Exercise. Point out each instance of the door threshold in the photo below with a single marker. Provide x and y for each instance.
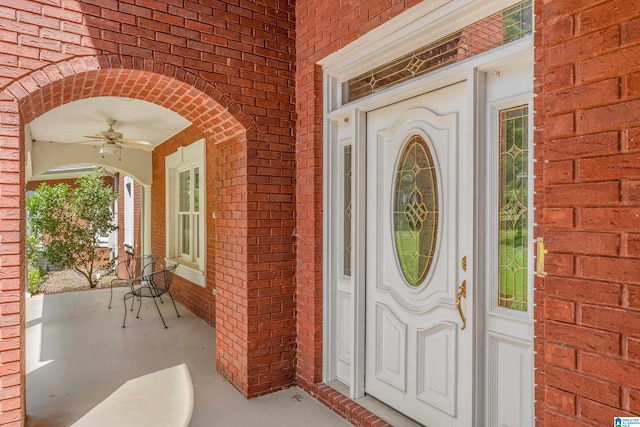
(376, 407)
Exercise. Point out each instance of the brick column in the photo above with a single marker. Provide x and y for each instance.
(587, 118)
(12, 265)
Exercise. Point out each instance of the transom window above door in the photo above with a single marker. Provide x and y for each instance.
(510, 24)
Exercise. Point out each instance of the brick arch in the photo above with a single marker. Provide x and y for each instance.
(212, 111)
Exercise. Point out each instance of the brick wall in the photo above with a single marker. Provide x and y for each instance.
(227, 68)
(12, 268)
(587, 122)
(231, 263)
(200, 300)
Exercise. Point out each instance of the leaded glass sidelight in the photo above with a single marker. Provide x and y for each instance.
(346, 214)
(416, 211)
(513, 209)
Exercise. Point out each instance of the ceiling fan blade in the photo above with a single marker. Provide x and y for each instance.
(70, 142)
(94, 136)
(135, 142)
(88, 141)
(56, 142)
(138, 145)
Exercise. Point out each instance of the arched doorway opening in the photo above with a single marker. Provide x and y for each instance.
(214, 117)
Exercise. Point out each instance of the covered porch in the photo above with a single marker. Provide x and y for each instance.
(78, 355)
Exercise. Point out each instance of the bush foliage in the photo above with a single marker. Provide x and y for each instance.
(68, 222)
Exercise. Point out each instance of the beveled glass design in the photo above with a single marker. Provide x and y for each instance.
(346, 220)
(415, 210)
(493, 31)
(430, 57)
(513, 228)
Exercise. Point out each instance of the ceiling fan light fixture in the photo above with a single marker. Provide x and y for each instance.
(108, 149)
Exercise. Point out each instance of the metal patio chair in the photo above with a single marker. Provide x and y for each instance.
(154, 286)
(131, 268)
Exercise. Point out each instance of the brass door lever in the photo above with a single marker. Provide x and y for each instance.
(462, 293)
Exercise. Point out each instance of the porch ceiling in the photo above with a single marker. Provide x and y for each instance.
(72, 122)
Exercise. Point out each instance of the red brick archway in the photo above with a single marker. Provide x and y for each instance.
(193, 98)
(215, 115)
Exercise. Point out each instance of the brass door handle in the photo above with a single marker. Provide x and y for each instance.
(540, 257)
(462, 293)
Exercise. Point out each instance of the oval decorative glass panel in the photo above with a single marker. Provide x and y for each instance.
(415, 216)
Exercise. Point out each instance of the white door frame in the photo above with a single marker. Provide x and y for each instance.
(348, 123)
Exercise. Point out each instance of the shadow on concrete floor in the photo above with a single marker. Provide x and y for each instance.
(78, 354)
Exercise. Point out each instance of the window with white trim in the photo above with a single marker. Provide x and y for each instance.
(128, 214)
(185, 206)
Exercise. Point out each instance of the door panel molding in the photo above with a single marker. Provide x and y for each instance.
(509, 380)
(391, 348)
(437, 379)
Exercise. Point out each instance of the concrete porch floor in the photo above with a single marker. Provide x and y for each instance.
(78, 354)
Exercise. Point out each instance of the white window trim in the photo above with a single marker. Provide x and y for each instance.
(185, 157)
(129, 197)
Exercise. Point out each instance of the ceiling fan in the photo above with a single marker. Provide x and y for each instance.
(110, 137)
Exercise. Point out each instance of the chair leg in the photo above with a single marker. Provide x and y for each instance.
(125, 308)
(174, 303)
(139, 307)
(160, 313)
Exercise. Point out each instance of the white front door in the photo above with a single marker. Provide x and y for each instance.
(419, 213)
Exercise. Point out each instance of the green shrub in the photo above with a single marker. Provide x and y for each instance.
(68, 222)
(35, 275)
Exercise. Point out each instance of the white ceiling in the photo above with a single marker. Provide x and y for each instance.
(135, 119)
(51, 138)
